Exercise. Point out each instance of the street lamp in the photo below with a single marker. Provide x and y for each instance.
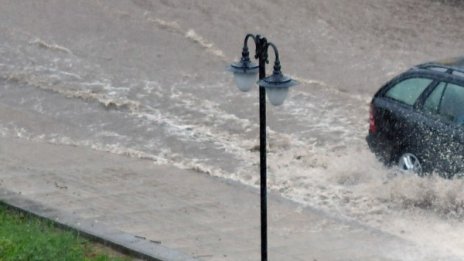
(276, 86)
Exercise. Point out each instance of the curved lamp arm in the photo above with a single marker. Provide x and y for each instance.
(277, 60)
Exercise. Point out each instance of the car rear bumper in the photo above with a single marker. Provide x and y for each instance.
(381, 147)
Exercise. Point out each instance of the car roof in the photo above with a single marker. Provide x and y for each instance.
(446, 65)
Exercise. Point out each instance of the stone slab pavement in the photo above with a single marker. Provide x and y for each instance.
(194, 215)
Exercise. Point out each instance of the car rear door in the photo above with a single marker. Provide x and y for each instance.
(442, 127)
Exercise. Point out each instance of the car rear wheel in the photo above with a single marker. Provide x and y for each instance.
(410, 163)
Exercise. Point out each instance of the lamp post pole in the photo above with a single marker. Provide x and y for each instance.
(277, 88)
(262, 52)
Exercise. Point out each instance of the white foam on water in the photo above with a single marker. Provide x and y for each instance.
(165, 156)
(54, 84)
(172, 26)
(192, 35)
(53, 47)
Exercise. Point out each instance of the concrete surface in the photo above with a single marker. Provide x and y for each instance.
(204, 217)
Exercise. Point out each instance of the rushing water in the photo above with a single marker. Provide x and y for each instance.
(147, 79)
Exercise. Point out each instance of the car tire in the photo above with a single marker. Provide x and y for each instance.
(410, 163)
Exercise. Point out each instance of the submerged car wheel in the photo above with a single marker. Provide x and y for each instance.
(410, 163)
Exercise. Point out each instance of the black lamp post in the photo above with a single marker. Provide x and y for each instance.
(276, 87)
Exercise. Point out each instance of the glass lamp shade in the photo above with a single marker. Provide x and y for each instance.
(277, 87)
(244, 81)
(276, 95)
(245, 73)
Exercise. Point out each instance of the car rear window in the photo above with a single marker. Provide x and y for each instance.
(407, 91)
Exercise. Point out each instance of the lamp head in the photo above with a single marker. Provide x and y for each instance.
(277, 87)
(245, 73)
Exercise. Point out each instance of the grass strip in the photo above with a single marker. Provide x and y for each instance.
(24, 237)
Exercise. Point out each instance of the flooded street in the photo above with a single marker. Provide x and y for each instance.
(147, 79)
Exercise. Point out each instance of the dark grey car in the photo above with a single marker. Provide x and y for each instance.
(417, 119)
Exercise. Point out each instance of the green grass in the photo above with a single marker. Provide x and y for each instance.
(23, 237)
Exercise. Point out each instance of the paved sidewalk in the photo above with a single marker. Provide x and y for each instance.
(203, 217)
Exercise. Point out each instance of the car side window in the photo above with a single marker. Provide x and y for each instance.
(438, 69)
(407, 91)
(433, 101)
(452, 104)
(458, 73)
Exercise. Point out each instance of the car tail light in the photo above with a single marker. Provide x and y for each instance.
(372, 127)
